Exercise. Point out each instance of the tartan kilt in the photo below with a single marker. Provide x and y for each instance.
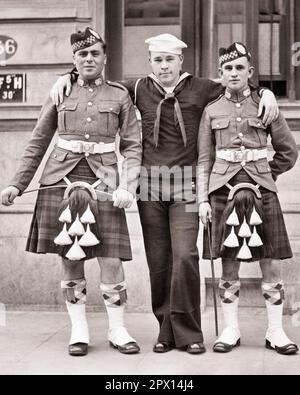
(111, 222)
(273, 229)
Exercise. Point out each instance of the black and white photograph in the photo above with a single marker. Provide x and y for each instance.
(149, 190)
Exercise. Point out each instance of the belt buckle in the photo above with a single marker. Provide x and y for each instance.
(239, 156)
(88, 148)
(80, 147)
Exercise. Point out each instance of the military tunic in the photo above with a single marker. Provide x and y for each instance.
(94, 112)
(231, 124)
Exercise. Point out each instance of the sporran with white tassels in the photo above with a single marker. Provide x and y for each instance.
(77, 217)
(243, 220)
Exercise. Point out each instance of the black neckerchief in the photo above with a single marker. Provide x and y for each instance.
(177, 110)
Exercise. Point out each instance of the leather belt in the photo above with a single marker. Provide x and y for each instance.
(247, 155)
(83, 147)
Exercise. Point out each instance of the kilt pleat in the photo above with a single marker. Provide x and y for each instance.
(273, 229)
(111, 222)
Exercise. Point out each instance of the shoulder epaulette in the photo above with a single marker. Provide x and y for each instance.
(217, 99)
(116, 85)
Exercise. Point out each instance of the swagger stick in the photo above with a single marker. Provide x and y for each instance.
(43, 188)
(99, 193)
(213, 277)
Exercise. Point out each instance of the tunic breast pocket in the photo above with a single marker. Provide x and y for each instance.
(109, 119)
(67, 117)
(258, 132)
(220, 127)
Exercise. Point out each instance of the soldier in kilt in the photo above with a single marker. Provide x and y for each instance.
(68, 219)
(238, 195)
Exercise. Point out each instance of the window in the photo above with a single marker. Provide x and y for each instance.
(272, 28)
(144, 19)
(152, 12)
(231, 21)
(275, 7)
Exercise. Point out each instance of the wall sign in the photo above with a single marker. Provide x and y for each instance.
(8, 47)
(12, 88)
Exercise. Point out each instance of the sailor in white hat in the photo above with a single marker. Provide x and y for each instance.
(166, 43)
(166, 60)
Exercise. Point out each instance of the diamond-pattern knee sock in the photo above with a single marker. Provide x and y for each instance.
(229, 291)
(74, 291)
(75, 296)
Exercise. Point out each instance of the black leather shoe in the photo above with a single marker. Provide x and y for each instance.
(196, 348)
(163, 347)
(128, 348)
(288, 349)
(224, 347)
(78, 349)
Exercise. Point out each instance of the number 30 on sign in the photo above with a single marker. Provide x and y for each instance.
(12, 88)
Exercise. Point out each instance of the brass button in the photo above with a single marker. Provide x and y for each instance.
(238, 105)
(243, 148)
(87, 136)
(90, 104)
(259, 124)
(218, 125)
(89, 119)
(87, 154)
(243, 163)
(241, 135)
(239, 119)
(111, 109)
(91, 90)
(54, 156)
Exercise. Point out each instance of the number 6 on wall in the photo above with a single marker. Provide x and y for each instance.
(8, 47)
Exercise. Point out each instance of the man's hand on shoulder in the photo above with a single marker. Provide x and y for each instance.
(61, 88)
(268, 104)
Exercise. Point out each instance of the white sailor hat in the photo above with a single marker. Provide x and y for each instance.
(166, 43)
